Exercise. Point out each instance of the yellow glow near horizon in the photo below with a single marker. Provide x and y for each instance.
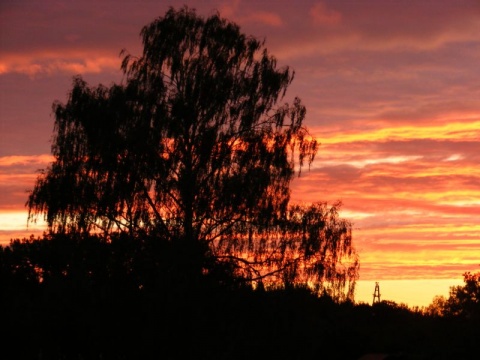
(13, 224)
(450, 131)
(413, 292)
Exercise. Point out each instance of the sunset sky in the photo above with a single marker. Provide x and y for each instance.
(392, 90)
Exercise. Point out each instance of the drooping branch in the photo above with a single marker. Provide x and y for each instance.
(198, 146)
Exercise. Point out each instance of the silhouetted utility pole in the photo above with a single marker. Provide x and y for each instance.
(376, 294)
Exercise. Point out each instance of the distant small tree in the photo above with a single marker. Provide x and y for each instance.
(465, 300)
(195, 148)
(437, 307)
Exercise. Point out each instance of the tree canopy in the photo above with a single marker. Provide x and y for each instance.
(463, 301)
(197, 147)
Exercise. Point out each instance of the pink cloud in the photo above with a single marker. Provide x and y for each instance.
(322, 15)
(229, 9)
(243, 14)
(267, 18)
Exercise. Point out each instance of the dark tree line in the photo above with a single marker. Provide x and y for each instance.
(71, 297)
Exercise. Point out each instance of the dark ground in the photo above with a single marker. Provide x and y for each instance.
(88, 305)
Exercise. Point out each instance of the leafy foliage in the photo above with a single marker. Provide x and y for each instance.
(195, 148)
(306, 247)
(463, 301)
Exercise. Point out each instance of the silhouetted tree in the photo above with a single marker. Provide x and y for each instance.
(195, 147)
(437, 307)
(464, 300)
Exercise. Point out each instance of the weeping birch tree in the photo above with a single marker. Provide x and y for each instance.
(196, 146)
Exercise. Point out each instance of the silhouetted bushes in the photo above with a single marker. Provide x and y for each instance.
(72, 297)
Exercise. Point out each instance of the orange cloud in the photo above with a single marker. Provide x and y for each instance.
(412, 192)
(14, 160)
(52, 63)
